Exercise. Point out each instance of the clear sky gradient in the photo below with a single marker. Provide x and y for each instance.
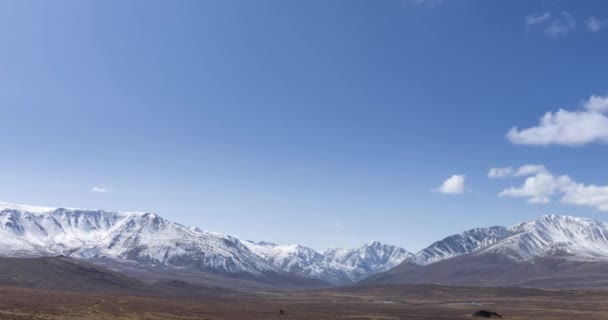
(324, 123)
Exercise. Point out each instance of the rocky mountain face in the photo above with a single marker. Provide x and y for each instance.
(146, 238)
(338, 266)
(549, 235)
(565, 237)
(143, 237)
(370, 259)
(459, 244)
(551, 251)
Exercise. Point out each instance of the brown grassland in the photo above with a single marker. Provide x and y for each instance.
(357, 303)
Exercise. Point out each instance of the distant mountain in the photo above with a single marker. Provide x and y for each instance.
(565, 237)
(338, 266)
(551, 251)
(459, 244)
(146, 238)
(163, 246)
(297, 259)
(370, 259)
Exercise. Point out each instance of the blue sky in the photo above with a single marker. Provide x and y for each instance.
(325, 123)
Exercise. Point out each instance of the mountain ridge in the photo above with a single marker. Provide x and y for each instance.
(145, 238)
(336, 265)
(549, 251)
(150, 239)
(559, 243)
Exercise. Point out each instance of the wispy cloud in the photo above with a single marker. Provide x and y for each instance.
(453, 185)
(431, 4)
(504, 172)
(100, 190)
(542, 186)
(561, 25)
(552, 25)
(572, 128)
(535, 19)
(524, 170)
(595, 24)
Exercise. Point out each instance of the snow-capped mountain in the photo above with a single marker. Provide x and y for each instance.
(550, 251)
(370, 259)
(338, 266)
(565, 237)
(459, 244)
(549, 235)
(297, 259)
(147, 238)
(142, 237)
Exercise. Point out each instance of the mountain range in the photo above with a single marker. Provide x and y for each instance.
(336, 265)
(151, 241)
(550, 251)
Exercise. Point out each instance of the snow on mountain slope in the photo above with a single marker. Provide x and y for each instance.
(21, 207)
(459, 244)
(550, 235)
(548, 252)
(566, 237)
(370, 259)
(148, 238)
(143, 237)
(338, 266)
(292, 258)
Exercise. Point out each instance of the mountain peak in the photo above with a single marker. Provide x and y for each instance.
(374, 243)
(336, 265)
(459, 244)
(568, 237)
(552, 221)
(142, 237)
(555, 217)
(27, 208)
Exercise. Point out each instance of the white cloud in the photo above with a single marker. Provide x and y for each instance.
(535, 19)
(100, 190)
(596, 104)
(500, 172)
(594, 24)
(530, 169)
(552, 25)
(525, 170)
(587, 195)
(538, 188)
(544, 185)
(561, 25)
(572, 128)
(453, 185)
(431, 4)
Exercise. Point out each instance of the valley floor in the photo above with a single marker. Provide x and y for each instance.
(378, 303)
